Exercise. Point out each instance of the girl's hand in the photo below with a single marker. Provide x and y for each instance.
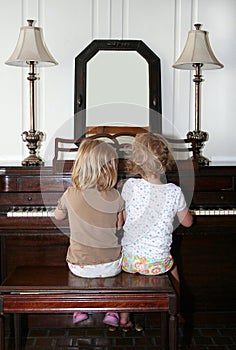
(59, 214)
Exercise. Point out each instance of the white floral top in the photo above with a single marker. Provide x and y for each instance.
(150, 212)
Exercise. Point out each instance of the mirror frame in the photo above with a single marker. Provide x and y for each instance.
(154, 69)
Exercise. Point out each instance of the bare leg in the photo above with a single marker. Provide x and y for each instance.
(176, 283)
(175, 273)
(125, 322)
(175, 279)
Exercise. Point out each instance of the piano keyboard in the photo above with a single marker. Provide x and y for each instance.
(219, 211)
(31, 212)
(49, 212)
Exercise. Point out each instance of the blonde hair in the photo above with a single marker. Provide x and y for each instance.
(151, 155)
(95, 165)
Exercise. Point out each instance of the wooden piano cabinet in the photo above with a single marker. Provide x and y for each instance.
(33, 250)
(205, 252)
(207, 272)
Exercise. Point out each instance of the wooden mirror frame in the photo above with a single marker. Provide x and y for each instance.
(154, 69)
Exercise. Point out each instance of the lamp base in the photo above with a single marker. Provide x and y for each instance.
(32, 160)
(200, 137)
(33, 139)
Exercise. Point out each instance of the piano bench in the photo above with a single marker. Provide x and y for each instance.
(54, 289)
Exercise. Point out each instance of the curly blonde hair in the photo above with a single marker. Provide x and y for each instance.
(151, 155)
(95, 165)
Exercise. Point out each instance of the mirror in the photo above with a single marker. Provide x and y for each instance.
(110, 74)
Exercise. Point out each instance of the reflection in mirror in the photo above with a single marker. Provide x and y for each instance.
(121, 74)
(117, 78)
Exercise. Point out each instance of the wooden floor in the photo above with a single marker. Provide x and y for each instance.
(93, 334)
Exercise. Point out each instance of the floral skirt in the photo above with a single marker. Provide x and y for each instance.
(136, 264)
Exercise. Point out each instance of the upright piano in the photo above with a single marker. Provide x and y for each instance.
(205, 252)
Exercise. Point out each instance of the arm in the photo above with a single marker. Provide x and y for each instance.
(185, 217)
(120, 219)
(59, 214)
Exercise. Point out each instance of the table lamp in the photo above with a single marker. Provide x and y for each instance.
(198, 55)
(31, 51)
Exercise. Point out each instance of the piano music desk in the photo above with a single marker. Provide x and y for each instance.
(53, 289)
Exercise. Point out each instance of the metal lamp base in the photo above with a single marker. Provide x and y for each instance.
(203, 161)
(32, 160)
(33, 139)
(200, 137)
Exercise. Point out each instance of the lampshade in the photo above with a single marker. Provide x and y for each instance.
(197, 50)
(31, 47)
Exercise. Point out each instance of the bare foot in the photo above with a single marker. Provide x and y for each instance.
(125, 322)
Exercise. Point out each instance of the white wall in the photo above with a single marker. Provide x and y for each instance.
(69, 26)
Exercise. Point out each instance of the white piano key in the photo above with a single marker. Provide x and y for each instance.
(18, 213)
(30, 212)
(51, 212)
(44, 212)
(212, 212)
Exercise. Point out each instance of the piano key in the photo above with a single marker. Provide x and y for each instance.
(49, 211)
(10, 213)
(31, 212)
(232, 211)
(219, 211)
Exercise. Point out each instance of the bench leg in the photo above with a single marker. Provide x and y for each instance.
(172, 332)
(17, 331)
(164, 330)
(2, 333)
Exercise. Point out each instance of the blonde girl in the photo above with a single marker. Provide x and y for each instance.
(150, 209)
(94, 209)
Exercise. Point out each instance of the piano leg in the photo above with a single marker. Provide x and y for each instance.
(2, 333)
(173, 332)
(164, 327)
(3, 258)
(18, 318)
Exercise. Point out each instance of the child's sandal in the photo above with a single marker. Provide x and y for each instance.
(112, 319)
(79, 316)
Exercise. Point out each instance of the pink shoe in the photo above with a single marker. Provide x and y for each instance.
(112, 319)
(79, 316)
